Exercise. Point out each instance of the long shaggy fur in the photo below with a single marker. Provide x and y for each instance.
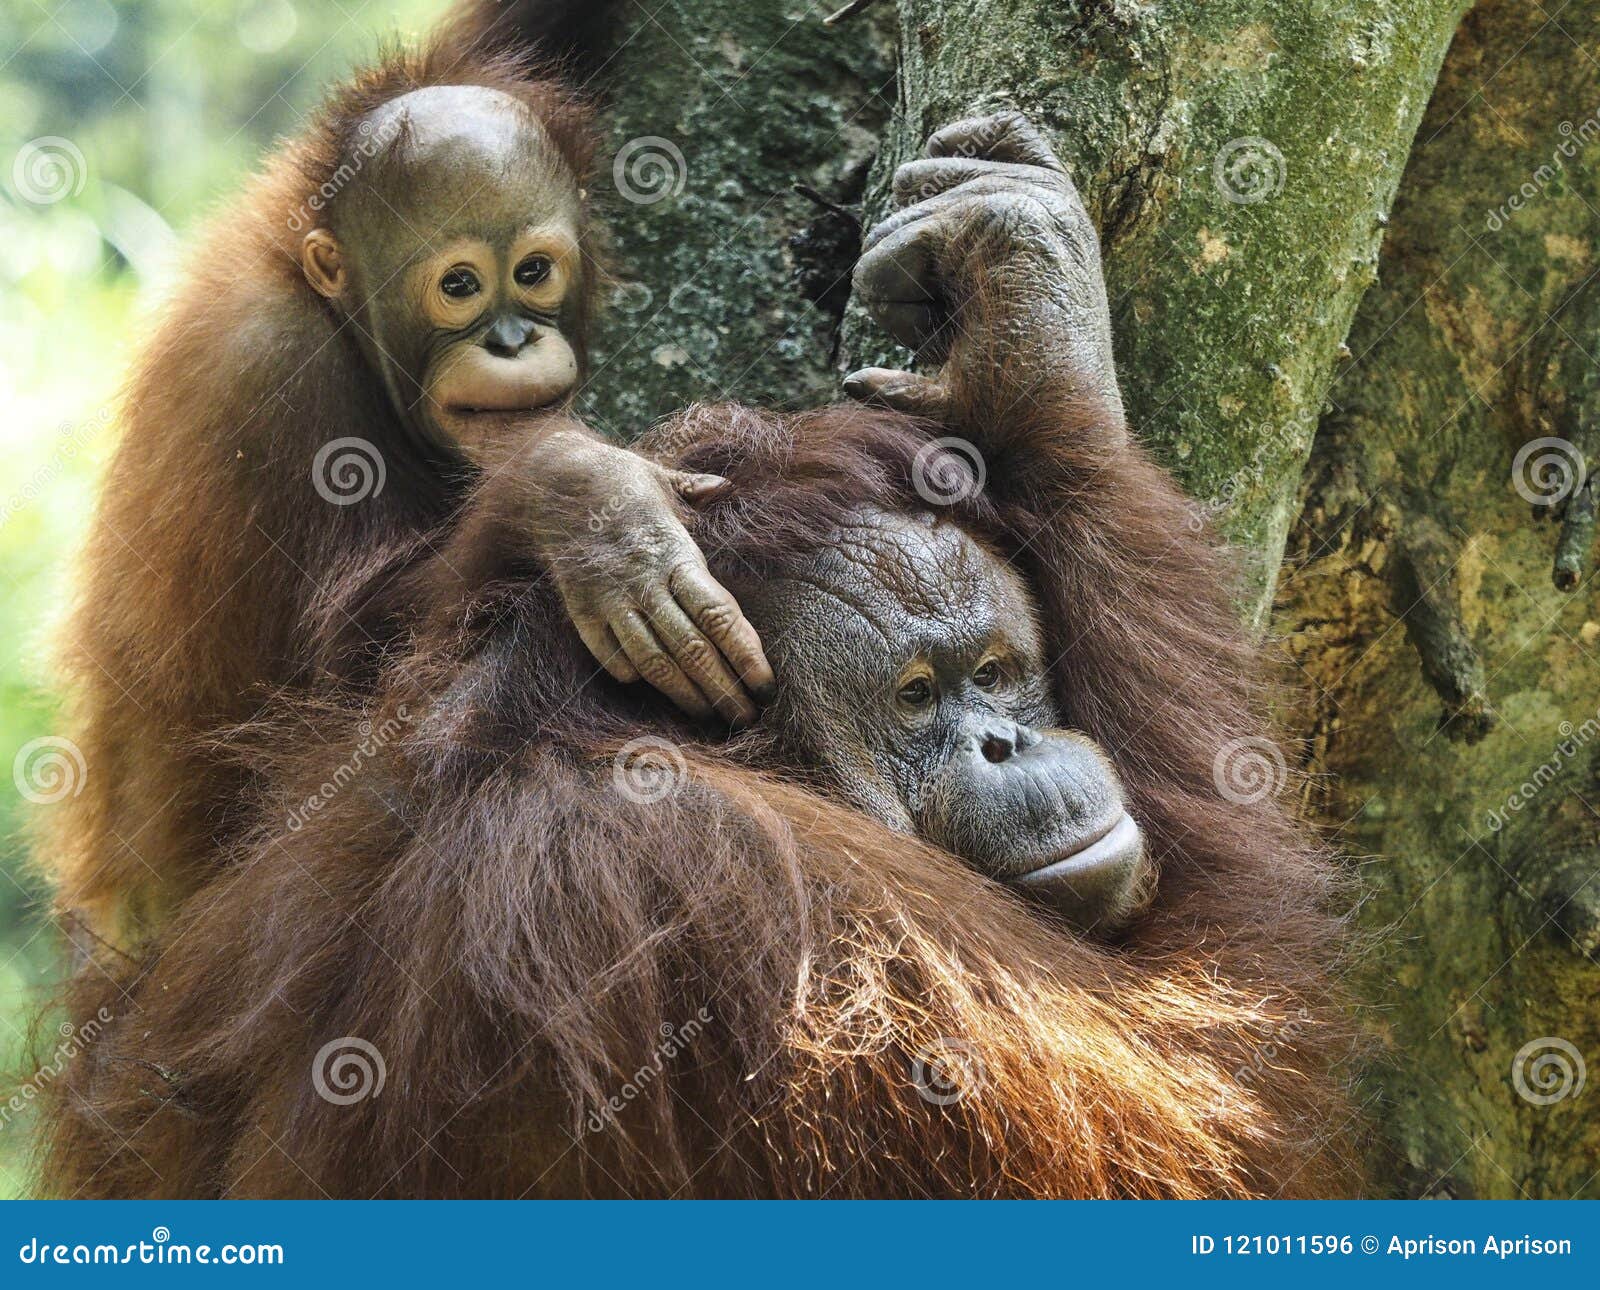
(210, 546)
(740, 988)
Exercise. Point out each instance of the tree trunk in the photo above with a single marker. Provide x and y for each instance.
(1240, 158)
(1456, 690)
(731, 283)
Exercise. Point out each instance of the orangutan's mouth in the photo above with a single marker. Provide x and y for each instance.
(1116, 845)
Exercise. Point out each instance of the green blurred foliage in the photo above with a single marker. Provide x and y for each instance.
(121, 121)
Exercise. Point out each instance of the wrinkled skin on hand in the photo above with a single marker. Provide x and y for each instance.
(990, 268)
(606, 523)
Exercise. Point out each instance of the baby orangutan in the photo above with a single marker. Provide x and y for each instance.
(317, 409)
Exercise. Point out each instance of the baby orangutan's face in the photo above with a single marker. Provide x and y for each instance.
(456, 252)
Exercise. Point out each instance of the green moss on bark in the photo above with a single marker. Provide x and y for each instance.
(753, 98)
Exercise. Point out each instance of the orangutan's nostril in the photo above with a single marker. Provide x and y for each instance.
(997, 749)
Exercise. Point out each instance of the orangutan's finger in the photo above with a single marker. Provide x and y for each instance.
(656, 665)
(717, 614)
(602, 642)
(906, 392)
(700, 660)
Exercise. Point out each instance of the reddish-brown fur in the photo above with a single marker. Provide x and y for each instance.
(513, 935)
(211, 549)
(477, 902)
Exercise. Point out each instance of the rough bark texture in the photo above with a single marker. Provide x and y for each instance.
(1455, 709)
(719, 109)
(1241, 158)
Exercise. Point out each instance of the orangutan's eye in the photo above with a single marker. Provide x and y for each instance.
(916, 693)
(987, 676)
(458, 284)
(532, 271)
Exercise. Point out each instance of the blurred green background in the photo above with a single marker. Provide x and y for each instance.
(121, 123)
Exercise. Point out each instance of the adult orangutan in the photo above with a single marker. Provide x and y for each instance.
(473, 945)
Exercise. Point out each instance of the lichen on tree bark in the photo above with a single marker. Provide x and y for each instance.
(1485, 876)
(1239, 159)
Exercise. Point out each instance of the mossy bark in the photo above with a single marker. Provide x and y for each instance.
(729, 283)
(1454, 709)
(1239, 158)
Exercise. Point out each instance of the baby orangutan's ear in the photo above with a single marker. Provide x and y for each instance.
(322, 259)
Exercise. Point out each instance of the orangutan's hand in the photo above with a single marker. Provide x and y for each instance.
(991, 268)
(606, 524)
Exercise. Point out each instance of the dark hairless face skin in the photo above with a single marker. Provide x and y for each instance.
(467, 298)
(911, 673)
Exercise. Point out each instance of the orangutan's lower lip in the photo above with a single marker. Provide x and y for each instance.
(1112, 847)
